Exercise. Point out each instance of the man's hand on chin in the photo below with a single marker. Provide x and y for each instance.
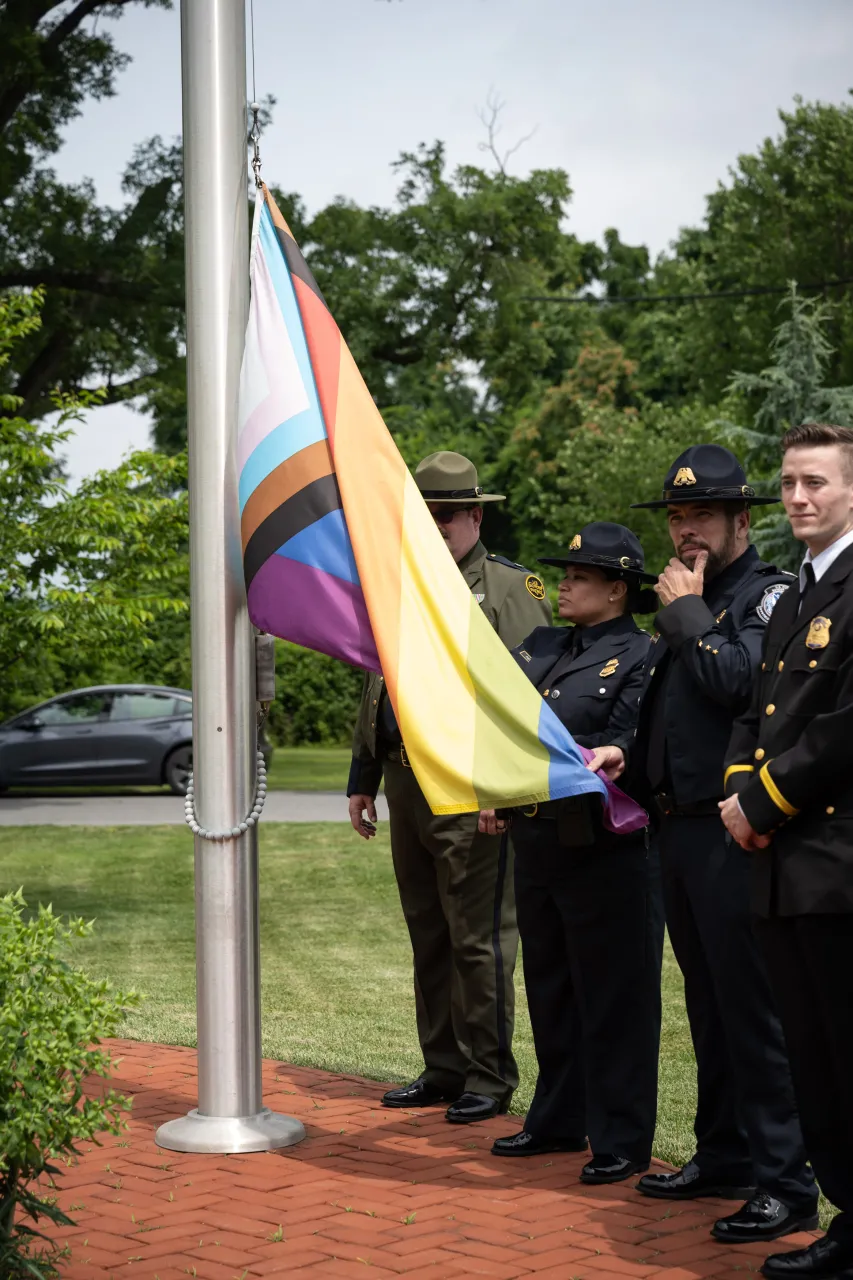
(677, 580)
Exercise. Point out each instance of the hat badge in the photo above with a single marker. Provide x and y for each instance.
(575, 544)
(684, 476)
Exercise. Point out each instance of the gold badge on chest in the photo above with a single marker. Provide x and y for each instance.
(818, 634)
(609, 667)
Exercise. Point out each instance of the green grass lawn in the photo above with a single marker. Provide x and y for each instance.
(310, 768)
(336, 964)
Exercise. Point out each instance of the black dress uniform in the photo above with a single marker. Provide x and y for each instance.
(790, 763)
(588, 903)
(699, 677)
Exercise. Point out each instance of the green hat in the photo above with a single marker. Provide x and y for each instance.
(449, 478)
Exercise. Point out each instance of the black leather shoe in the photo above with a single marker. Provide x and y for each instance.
(608, 1167)
(825, 1259)
(475, 1106)
(764, 1218)
(420, 1093)
(525, 1144)
(689, 1183)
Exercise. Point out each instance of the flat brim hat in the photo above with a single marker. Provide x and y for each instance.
(451, 479)
(706, 473)
(606, 546)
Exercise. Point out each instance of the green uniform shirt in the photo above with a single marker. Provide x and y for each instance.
(515, 603)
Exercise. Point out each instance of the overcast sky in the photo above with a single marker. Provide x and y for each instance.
(644, 104)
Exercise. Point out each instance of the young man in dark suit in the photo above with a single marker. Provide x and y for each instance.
(789, 785)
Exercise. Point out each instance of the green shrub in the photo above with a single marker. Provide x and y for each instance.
(317, 698)
(52, 1018)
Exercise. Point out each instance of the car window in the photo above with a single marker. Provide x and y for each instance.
(142, 706)
(183, 706)
(77, 710)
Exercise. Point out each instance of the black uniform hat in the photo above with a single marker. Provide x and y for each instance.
(618, 552)
(706, 473)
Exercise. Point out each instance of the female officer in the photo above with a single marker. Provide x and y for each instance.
(588, 902)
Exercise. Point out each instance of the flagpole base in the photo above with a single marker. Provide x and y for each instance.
(230, 1135)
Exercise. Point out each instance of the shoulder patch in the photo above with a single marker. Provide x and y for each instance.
(535, 586)
(770, 599)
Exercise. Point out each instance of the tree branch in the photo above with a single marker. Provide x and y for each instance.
(78, 282)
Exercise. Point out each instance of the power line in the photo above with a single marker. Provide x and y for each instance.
(652, 298)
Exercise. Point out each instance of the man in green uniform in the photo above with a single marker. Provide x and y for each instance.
(455, 884)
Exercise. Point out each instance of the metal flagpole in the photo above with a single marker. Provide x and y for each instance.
(230, 1116)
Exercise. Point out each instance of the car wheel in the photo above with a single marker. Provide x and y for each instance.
(177, 769)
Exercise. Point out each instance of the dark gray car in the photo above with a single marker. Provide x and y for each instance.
(130, 734)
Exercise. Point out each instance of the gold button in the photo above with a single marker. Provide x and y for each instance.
(770, 708)
(545, 693)
(781, 665)
(763, 666)
(813, 662)
(760, 753)
(830, 808)
(381, 678)
(374, 702)
(373, 724)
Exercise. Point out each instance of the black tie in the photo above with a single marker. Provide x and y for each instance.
(811, 583)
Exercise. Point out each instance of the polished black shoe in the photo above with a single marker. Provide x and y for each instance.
(689, 1183)
(420, 1093)
(475, 1106)
(608, 1167)
(825, 1259)
(525, 1144)
(764, 1218)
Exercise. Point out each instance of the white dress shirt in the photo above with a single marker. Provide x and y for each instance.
(826, 558)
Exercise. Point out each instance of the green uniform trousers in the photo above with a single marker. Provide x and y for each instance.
(456, 890)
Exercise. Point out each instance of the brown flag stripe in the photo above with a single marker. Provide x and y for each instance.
(295, 261)
(281, 484)
(317, 499)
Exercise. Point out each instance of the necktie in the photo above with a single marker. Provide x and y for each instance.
(811, 583)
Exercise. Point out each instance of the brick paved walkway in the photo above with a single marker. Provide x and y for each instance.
(371, 1193)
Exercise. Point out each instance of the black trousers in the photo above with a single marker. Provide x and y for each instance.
(747, 1129)
(810, 963)
(591, 925)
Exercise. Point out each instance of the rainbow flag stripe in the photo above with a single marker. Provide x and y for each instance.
(341, 555)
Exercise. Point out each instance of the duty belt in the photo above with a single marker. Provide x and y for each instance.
(668, 808)
(397, 755)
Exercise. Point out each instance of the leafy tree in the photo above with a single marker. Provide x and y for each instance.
(790, 390)
(114, 278)
(786, 213)
(84, 575)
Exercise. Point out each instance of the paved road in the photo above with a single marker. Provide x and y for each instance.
(154, 810)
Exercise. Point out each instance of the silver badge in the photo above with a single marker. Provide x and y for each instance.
(556, 693)
(770, 599)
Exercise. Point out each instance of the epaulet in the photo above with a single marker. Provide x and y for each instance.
(770, 570)
(511, 564)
